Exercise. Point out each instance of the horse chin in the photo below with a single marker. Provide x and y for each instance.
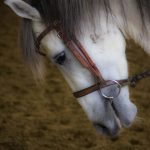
(108, 118)
(109, 132)
(119, 123)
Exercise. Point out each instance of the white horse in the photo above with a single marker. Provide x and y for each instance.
(101, 26)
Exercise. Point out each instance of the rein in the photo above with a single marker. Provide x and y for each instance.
(82, 56)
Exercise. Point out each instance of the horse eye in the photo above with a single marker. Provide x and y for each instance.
(60, 58)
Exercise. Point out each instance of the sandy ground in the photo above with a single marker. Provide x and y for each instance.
(47, 117)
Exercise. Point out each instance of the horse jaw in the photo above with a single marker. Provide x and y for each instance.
(107, 50)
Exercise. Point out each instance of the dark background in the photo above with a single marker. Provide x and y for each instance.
(46, 116)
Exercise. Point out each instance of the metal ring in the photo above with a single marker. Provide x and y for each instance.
(112, 97)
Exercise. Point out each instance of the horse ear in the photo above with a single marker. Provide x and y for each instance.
(23, 9)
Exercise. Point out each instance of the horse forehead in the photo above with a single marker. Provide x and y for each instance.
(107, 42)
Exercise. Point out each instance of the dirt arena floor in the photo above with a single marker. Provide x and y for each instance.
(48, 117)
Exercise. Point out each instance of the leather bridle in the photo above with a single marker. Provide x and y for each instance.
(82, 56)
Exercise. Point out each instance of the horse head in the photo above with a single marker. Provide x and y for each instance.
(105, 44)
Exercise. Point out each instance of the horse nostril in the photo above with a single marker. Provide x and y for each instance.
(105, 130)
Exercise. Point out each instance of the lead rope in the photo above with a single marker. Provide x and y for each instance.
(133, 80)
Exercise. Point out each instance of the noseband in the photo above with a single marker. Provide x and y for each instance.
(82, 56)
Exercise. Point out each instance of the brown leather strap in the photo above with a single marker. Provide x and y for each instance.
(42, 35)
(96, 87)
(132, 81)
(82, 56)
(87, 91)
(90, 61)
